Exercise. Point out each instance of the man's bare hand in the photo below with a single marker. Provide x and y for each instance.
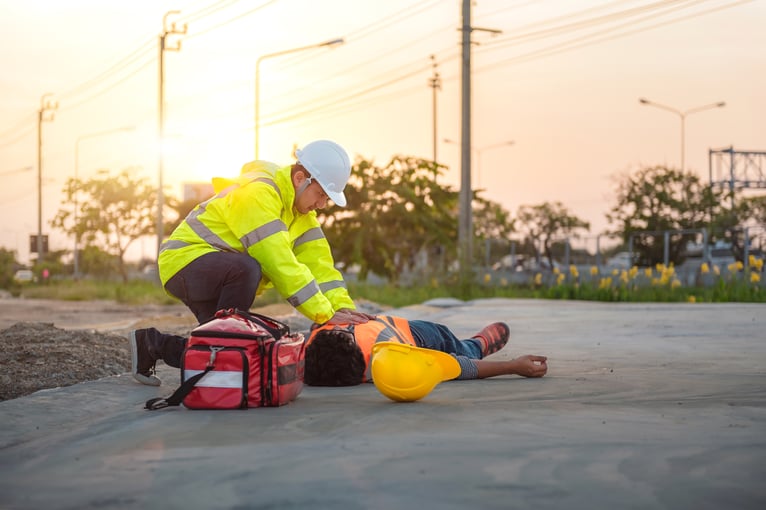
(346, 316)
(531, 365)
(360, 315)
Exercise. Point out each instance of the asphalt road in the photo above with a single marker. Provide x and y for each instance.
(646, 406)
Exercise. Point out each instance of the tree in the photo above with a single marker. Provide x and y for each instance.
(398, 212)
(111, 213)
(549, 222)
(657, 199)
(8, 267)
(730, 224)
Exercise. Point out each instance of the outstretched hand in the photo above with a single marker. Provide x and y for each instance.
(531, 365)
(348, 316)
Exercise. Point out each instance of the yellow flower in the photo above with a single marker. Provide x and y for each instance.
(675, 284)
(556, 270)
(751, 260)
(648, 272)
(692, 299)
(538, 279)
(732, 267)
(716, 270)
(503, 282)
(704, 268)
(593, 270)
(487, 278)
(615, 272)
(660, 267)
(573, 271)
(670, 271)
(624, 276)
(560, 278)
(740, 265)
(633, 272)
(605, 283)
(656, 281)
(755, 277)
(758, 264)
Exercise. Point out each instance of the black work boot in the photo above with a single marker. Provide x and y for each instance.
(145, 350)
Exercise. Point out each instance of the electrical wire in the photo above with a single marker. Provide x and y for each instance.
(583, 40)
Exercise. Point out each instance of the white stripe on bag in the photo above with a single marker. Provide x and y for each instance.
(216, 378)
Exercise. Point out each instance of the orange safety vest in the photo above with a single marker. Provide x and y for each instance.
(384, 328)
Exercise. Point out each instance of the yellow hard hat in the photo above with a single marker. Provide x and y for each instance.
(406, 373)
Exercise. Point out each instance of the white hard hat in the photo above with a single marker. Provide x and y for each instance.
(328, 163)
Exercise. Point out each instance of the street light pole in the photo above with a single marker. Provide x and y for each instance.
(330, 43)
(683, 116)
(76, 176)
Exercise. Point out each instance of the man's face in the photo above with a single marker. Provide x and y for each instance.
(312, 198)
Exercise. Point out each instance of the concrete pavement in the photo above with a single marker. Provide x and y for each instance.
(645, 406)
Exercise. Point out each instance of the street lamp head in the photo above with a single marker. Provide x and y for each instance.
(333, 42)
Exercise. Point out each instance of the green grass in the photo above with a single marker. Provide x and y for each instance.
(640, 289)
(136, 292)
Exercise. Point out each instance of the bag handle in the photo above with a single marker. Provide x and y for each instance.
(275, 328)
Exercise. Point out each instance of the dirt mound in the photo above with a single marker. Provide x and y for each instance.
(39, 355)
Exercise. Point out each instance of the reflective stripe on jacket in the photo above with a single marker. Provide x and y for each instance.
(255, 214)
(384, 328)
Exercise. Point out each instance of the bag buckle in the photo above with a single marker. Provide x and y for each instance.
(213, 353)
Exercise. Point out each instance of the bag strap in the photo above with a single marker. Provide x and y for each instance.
(177, 397)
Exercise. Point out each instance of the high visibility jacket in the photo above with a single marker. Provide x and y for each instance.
(384, 328)
(255, 214)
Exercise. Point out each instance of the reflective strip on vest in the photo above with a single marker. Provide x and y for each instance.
(172, 244)
(271, 183)
(262, 232)
(205, 233)
(309, 235)
(211, 238)
(303, 295)
(328, 286)
(216, 379)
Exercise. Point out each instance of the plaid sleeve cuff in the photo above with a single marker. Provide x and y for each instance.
(468, 369)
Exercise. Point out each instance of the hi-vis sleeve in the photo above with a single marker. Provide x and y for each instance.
(312, 249)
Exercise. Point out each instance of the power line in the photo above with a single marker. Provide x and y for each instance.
(568, 45)
(571, 27)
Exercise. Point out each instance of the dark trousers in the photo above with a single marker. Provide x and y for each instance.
(216, 281)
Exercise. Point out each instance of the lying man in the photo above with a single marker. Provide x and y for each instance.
(339, 355)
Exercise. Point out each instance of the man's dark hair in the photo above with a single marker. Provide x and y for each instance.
(334, 359)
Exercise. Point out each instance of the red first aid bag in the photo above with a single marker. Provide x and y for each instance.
(238, 360)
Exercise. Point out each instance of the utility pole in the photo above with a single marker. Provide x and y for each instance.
(161, 117)
(465, 222)
(436, 84)
(46, 106)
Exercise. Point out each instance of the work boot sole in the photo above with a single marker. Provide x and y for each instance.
(149, 380)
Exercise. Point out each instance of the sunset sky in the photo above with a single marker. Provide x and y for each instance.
(562, 81)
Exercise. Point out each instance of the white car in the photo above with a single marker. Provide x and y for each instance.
(621, 260)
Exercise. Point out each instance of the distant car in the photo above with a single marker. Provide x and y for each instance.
(621, 260)
(24, 276)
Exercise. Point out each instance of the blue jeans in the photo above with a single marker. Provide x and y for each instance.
(439, 338)
(216, 281)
